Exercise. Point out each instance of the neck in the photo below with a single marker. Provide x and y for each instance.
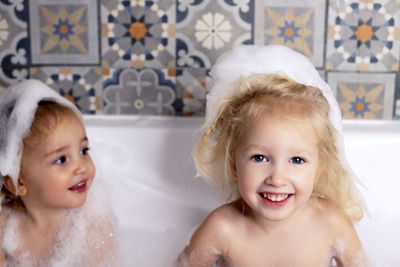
(42, 218)
(271, 225)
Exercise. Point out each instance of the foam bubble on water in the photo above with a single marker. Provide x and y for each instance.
(197, 256)
(88, 232)
(338, 250)
(86, 235)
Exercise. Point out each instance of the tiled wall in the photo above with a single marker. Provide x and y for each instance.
(153, 57)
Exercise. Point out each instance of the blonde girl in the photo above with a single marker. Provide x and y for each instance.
(272, 144)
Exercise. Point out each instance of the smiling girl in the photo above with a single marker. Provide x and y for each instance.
(272, 143)
(47, 172)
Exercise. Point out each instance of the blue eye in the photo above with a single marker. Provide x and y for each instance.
(85, 151)
(297, 160)
(60, 160)
(259, 158)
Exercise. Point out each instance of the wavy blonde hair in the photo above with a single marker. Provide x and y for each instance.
(275, 95)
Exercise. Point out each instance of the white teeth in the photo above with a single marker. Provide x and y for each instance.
(80, 184)
(274, 197)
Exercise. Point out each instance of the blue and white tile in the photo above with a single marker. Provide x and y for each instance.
(363, 36)
(364, 95)
(64, 32)
(138, 34)
(298, 25)
(14, 43)
(205, 29)
(192, 87)
(138, 92)
(81, 85)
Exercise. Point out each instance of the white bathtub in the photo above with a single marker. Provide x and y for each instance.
(158, 201)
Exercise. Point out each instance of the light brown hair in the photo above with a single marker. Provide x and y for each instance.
(48, 115)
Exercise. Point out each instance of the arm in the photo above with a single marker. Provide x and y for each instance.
(209, 242)
(348, 249)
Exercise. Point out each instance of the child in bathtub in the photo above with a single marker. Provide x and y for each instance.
(272, 142)
(46, 173)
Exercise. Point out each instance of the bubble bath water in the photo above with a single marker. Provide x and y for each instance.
(158, 202)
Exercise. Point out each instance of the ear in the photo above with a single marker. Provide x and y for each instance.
(9, 185)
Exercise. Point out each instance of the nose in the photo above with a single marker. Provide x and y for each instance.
(80, 166)
(277, 176)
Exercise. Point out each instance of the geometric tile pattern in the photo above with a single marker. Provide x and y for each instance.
(192, 84)
(61, 33)
(396, 108)
(138, 34)
(146, 57)
(81, 85)
(205, 29)
(139, 92)
(14, 44)
(364, 95)
(298, 25)
(364, 35)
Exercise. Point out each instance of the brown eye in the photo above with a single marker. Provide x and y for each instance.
(85, 151)
(60, 160)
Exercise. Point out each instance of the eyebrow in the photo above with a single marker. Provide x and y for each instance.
(58, 150)
(261, 147)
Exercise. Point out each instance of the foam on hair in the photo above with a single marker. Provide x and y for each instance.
(275, 95)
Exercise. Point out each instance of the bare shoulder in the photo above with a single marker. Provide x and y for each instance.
(330, 213)
(346, 245)
(220, 222)
(212, 238)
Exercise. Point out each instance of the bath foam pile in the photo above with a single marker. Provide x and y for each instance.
(272, 59)
(18, 105)
(78, 238)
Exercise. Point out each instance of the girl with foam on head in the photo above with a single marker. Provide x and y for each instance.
(46, 173)
(272, 142)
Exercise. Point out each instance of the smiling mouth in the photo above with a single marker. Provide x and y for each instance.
(274, 197)
(79, 187)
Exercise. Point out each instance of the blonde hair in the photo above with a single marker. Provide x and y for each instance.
(272, 95)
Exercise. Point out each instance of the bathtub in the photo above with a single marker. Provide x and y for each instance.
(159, 201)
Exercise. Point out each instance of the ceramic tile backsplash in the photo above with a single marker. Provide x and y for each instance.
(138, 57)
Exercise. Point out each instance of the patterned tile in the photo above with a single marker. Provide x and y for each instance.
(363, 35)
(191, 87)
(64, 32)
(14, 43)
(207, 28)
(364, 95)
(298, 25)
(396, 109)
(80, 85)
(138, 34)
(139, 92)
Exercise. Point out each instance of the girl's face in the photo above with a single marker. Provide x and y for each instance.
(276, 164)
(58, 172)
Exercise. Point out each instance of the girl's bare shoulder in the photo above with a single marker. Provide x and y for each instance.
(332, 216)
(224, 217)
